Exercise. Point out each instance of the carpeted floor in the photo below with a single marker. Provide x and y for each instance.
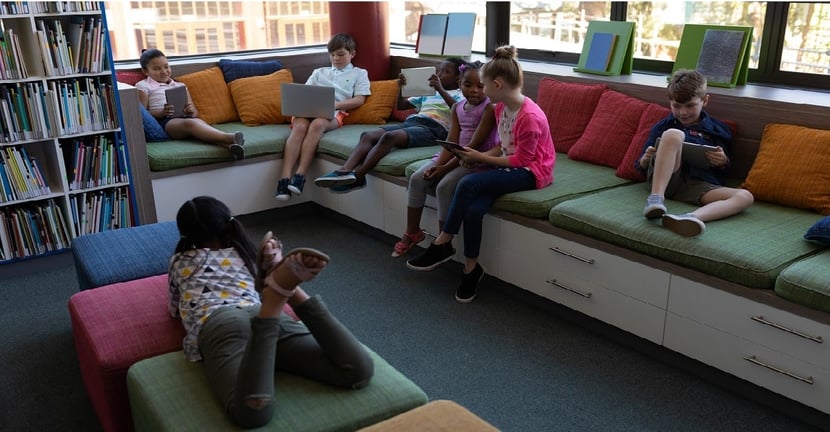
(509, 358)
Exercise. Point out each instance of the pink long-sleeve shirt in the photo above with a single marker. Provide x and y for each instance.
(532, 145)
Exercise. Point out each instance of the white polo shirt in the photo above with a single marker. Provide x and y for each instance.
(348, 82)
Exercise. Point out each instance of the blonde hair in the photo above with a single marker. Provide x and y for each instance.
(504, 65)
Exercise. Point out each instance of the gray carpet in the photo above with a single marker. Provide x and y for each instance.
(509, 357)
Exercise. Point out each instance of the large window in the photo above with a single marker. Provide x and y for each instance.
(404, 17)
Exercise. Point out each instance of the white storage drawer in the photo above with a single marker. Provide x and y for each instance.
(548, 256)
(776, 371)
(773, 328)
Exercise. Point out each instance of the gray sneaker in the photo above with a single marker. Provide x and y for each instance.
(686, 225)
(654, 207)
(335, 178)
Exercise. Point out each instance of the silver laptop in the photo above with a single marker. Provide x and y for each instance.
(308, 101)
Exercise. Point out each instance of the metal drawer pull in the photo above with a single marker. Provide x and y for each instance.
(760, 319)
(576, 257)
(754, 360)
(567, 288)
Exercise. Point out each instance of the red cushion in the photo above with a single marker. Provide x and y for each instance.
(129, 77)
(401, 115)
(609, 133)
(652, 114)
(568, 107)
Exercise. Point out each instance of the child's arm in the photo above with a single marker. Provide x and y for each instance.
(350, 103)
(190, 109)
(435, 82)
(360, 91)
(445, 158)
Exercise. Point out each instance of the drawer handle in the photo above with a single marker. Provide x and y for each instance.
(754, 360)
(760, 319)
(576, 257)
(567, 288)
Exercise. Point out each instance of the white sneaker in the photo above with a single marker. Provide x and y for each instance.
(686, 225)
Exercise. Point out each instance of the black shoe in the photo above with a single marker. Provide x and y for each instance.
(360, 183)
(434, 256)
(282, 190)
(297, 183)
(466, 291)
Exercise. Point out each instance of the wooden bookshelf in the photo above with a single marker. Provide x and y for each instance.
(64, 169)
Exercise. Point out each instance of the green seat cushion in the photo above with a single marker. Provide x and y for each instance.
(571, 179)
(750, 248)
(807, 282)
(341, 142)
(168, 393)
(259, 140)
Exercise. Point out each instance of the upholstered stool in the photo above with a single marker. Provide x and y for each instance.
(168, 393)
(436, 416)
(126, 254)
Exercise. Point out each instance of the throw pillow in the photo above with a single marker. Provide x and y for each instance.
(401, 114)
(610, 130)
(378, 105)
(258, 98)
(152, 129)
(651, 115)
(820, 232)
(568, 107)
(791, 168)
(235, 69)
(210, 94)
(130, 77)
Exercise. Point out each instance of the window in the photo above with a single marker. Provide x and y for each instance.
(404, 18)
(807, 39)
(558, 26)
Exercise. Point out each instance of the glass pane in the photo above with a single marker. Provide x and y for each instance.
(660, 24)
(213, 27)
(405, 16)
(807, 39)
(554, 26)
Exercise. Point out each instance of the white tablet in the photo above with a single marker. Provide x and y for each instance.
(417, 81)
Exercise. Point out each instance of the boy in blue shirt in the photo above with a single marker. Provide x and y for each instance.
(671, 177)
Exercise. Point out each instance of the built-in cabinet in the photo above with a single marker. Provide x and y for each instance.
(64, 168)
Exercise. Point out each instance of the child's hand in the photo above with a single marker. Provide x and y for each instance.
(188, 111)
(429, 173)
(717, 158)
(435, 82)
(648, 156)
(168, 110)
(401, 79)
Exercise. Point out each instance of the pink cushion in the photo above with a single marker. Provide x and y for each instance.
(115, 326)
(651, 115)
(569, 107)
(609, 133)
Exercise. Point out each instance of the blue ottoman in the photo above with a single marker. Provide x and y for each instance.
(122, 255)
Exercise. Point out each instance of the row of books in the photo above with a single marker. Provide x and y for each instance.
(32, 110)
(14, 7)
(32, 230)
(63, 6)
(94, 161)
(12, 65)
(80, 49)
(21, 176)
(102, 210)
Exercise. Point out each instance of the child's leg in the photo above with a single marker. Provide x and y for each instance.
(293, 145)
(330, 354)
(315, 132)
(666, 160)
(367, 141)
(445, 190)
(417, 197)
(182, 128)
(723, 202)
(388, 141)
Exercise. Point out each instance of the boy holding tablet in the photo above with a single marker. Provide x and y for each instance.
(670, 176)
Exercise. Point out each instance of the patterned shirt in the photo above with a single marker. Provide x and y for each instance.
(203, 280)
(435, 107)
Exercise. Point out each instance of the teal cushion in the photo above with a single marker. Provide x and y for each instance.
(259, 140)
(750, 248)
(820, 232)
(807, 282)
(341, 142)
(168, 393)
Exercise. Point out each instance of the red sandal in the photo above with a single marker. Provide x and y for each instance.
(402, 247)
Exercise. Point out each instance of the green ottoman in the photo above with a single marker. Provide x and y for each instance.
(168, 393)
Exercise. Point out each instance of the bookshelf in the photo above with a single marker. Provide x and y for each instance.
(64, 167)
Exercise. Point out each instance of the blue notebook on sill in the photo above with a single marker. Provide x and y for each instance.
(601, 51)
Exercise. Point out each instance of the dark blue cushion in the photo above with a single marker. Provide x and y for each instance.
(820, 232)
(152, 129)
(235, 69)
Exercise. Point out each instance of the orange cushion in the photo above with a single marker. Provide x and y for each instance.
(210, 95)
(610, 131)
(568, 107)
(378, 105)
(652, 114)
(791, 168)
(257, 98)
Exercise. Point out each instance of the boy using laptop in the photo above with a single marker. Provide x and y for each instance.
(351, 86)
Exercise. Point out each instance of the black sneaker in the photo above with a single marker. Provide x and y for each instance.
(434, 256)
(360, 183)
(335, 178)
(297, 183)
(283, 194)
(466, 291)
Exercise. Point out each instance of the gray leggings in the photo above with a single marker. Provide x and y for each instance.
(242, 352)
(444, 189)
